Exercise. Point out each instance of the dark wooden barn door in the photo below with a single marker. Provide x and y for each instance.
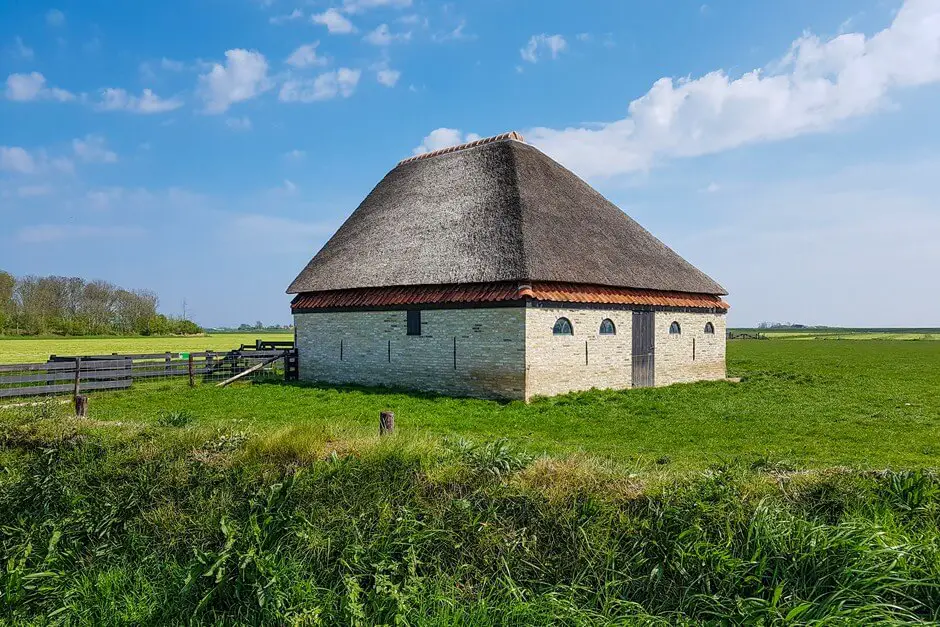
(644, 348)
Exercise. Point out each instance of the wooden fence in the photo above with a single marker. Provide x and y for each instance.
(73, 375)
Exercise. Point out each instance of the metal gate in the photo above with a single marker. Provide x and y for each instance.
(644, 349)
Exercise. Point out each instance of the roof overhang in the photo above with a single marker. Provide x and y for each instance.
(500, 293)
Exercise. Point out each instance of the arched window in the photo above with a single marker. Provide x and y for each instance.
(563, 327)
(675, 329)
(709, 328)
(607, 327)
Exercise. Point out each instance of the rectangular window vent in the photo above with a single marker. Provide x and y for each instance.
(414, 322)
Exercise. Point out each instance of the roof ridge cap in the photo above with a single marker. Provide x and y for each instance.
(513, 135)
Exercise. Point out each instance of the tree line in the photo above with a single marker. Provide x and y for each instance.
(34, 305)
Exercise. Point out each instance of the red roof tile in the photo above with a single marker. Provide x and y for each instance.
(496, 292)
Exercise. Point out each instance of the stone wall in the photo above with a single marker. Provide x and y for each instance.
(556, 364)
(490, 350)
(675, 362)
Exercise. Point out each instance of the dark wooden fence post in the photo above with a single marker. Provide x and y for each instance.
(192, 373)
(81, 402)
(386, 423)
(166, 368)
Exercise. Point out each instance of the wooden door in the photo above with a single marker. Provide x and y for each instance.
(644, 349)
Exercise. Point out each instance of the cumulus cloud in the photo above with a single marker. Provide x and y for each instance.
(388, 77)
(16, 159)
(306, 56)
(540, 45)
(336, 23)
(55, 17)
(444, 138)
(295, 154)
(816, 85)
(243, 76)
(32, 86)
(92, 149)
(296, 14)
(326, 86)
(116, 99)
(21, 50)
(383, 36)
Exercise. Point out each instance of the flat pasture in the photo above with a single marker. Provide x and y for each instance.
(27, 350)
(808, 404)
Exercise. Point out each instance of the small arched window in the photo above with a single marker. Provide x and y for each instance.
(674, 328)
(607, 327)
(709, 328)
(563, 327)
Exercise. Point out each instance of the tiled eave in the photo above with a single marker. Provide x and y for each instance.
(508, 292)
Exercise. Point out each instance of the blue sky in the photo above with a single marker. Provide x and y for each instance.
(206, 149)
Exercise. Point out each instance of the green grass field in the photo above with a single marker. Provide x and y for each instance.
(869, 404)
(808, 493)
(18, 350)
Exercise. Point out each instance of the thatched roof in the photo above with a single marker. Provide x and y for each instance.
(494, 210)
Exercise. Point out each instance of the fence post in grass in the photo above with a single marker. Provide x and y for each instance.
(386, 423)
(192, 373)
(81, 402)
(166, 368)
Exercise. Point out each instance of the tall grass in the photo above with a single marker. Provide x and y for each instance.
(178, 523)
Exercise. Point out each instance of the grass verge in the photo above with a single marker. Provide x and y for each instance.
(151, 523)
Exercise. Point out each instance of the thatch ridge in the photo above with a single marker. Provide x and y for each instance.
(500, 210)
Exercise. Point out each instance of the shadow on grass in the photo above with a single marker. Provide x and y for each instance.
(378, 391)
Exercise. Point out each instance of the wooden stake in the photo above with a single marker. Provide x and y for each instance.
(81, 405)
(386, 423)
(192, 374)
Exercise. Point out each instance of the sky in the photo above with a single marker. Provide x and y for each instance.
(206, 149)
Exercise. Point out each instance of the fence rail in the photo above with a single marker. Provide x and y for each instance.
(74, 374)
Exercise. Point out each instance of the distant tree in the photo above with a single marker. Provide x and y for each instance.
(72, 306)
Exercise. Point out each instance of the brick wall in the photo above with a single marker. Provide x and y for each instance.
(504, 352)
(556, 364)
(674, 359)
(490, 350)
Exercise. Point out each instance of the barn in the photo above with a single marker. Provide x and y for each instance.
(490, 270)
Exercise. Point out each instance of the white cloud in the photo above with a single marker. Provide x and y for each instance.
(55, 17)
(92, 149)
(711, 188)
(456, 34)
(16, 159)
(32, 86)
(306, 56)
(21, 50)
(341, 82)
(335, 22)
(116, 99)
(817, 84)
(444, 138)
(172, 65)
(243, 77)
(295, 154)
(388, 77)
(539, 45)
(239, 124)
(382, 36)
(296, 14)
(359, 6)
(43, 233)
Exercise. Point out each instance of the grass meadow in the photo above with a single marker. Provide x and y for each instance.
(20, 350)
(808, 493)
